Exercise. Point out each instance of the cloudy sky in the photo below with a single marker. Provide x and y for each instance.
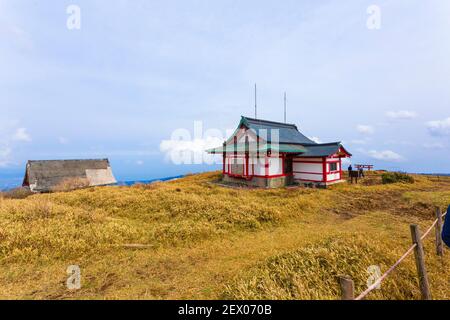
(373, 74)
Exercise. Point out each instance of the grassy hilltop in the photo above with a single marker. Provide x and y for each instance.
(193, 239)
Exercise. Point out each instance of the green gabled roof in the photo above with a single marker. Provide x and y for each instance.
(323, 150)
(288, 133)
(253, 148)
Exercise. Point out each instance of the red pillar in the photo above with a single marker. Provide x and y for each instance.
(324, 169)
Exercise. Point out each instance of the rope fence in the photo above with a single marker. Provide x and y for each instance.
(347, 285)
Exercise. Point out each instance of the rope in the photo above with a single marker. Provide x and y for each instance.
(377, 283)
(431, 228)
(392, 268)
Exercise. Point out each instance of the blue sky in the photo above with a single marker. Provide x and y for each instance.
(136, 71)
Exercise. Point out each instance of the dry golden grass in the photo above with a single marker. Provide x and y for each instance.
(192, 239)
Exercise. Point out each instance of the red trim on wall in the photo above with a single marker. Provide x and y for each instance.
(329, 167)
(342, 150)
(246, 163)
(297, 161)
(324, 169)
(275, 176)
(304, 172)
(309, 180)
(258, 176)
(311, 157)
(266, 167)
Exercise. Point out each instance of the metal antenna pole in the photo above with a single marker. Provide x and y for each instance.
(256, 104)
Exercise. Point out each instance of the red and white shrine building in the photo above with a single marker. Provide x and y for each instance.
(273, 154)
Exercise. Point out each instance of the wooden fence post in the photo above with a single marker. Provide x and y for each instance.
(347, 288)
(420, 262)
(439, 245)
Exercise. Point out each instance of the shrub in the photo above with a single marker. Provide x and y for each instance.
(18, 193)
(394, 177)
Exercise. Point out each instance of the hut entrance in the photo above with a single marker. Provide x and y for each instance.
(288, 166)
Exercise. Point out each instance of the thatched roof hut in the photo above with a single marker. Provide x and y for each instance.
(48, 175)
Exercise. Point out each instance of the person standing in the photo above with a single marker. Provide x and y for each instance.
(350, 170)
(361, 172)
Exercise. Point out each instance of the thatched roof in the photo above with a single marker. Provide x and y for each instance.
(46, 175)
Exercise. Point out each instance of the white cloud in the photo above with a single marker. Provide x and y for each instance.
(315, 139)
(439, 127)
(5, 153)
(434, 145)
(189, 151)
(365, 129)
(21, 134)
(401, 115)
(386, 155)
(8, 138)
(140, 162)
